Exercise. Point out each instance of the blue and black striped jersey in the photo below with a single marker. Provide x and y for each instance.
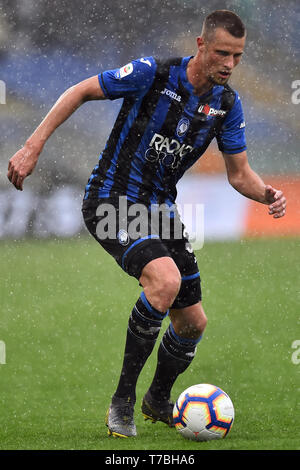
(161, 130)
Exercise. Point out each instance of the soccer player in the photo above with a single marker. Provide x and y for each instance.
(172, 109)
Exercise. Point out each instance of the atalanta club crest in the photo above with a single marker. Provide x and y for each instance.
(182, 127)
(123, 237)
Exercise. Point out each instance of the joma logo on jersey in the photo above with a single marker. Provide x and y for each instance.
(206, 109)
(171, 94)
(168, 151)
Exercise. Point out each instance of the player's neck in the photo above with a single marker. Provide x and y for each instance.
(197, 78)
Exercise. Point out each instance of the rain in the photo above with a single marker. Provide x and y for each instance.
(51, 264)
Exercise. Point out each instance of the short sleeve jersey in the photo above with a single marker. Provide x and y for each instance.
(162, 129)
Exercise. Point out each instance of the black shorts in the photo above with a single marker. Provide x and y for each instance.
(134, 237)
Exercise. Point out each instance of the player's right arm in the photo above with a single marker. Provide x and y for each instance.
(24, 161)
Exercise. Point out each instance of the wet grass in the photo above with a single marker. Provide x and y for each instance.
(64, 312)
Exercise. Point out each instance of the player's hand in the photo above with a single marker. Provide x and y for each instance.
(22, 165)
(276, 201)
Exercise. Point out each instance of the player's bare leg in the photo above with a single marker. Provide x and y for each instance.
(161, 282)
(189, 322)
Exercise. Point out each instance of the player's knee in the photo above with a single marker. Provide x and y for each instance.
(193, 329)
(190, 321)
(163, 291)
(201, 323)
(161, 281)
(168, 287)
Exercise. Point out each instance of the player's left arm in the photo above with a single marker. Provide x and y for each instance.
(247, 182)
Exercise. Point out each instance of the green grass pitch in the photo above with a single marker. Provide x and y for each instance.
(64, 311)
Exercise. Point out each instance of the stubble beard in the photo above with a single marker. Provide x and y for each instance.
(217, 81)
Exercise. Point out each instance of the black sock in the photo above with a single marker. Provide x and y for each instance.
(142, 332)
(175, 354)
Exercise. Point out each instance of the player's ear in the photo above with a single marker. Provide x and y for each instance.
(200, 42)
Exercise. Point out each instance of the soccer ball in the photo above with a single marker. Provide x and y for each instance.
(203, 412)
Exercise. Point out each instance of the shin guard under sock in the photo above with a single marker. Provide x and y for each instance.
(175, 354)
(142, 332)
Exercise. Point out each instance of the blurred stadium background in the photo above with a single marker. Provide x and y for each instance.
(47, 46)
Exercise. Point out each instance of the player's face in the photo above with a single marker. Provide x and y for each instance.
(220, 55)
